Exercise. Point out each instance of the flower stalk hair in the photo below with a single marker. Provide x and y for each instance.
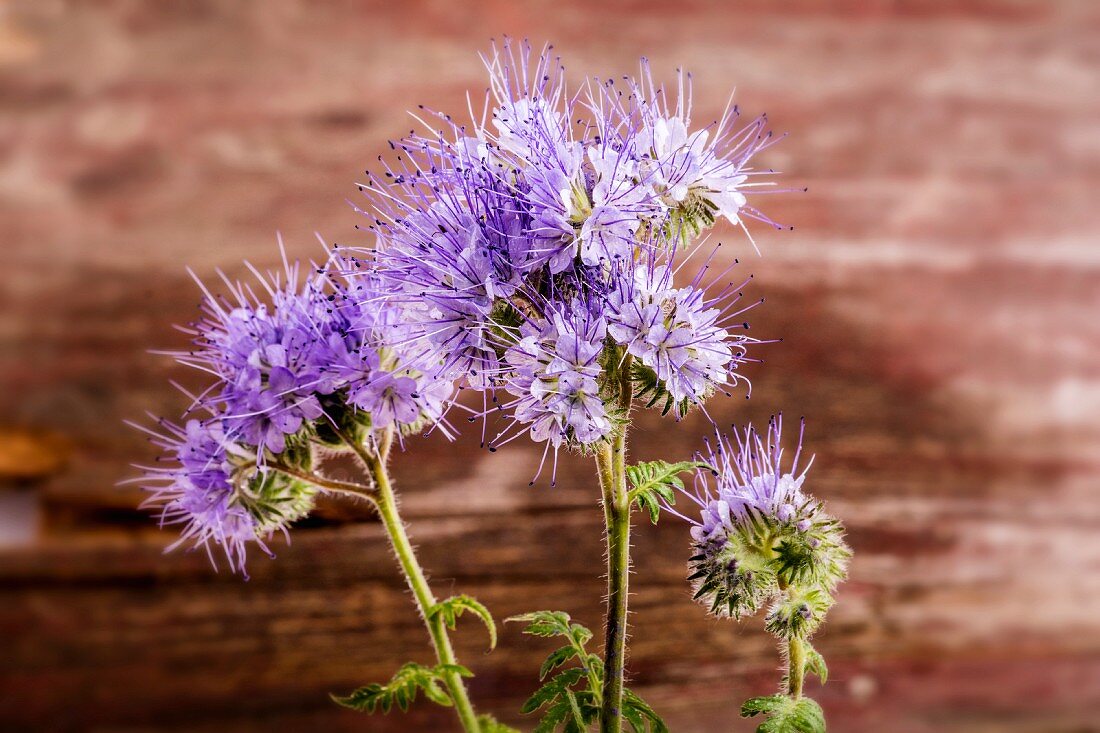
(303, 365)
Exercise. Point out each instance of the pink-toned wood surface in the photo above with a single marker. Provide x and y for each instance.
(938, 301)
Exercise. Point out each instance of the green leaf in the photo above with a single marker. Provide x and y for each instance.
(785, 714)
(489, 724)
(568, 702)
(442, 669)
(762, 705)
(575, 707)
(555, 716)
(451, 608)
(815, 663)
(556, 659)
(544, 623)
(642, 718)
(402, 689)
(555, 688)
(654, 484)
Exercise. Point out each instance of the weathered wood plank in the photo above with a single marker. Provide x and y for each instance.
(937, 303)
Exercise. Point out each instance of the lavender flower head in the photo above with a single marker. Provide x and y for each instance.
(213, 487)
(759, 538)
(554, 378)
(536, 250)
(749, 482)
(297, 361)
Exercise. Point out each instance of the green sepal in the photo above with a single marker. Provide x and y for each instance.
(798, 612)
(648, 387)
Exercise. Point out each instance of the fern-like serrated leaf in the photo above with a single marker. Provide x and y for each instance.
(579, 634)
(552, 690)
(570, 699)
(402, 689)
(546, 624)
(642, 718)
(489, 724)
(654, 484)
(575, 708)
(450, 609)
(785, 714)
(815, 663)
(556, 659)
(555, 716)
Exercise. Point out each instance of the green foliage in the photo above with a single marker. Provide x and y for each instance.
(489, 724)
(785, 714)
(640, 716)
(654, 482)
(815, 663)
(570, 698)
(451, 608)
(402, 689)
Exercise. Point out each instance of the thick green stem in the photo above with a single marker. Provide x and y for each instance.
(375, 462)
(796, 673)
(611, 465)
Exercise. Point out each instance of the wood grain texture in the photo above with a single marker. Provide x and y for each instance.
(937, 302)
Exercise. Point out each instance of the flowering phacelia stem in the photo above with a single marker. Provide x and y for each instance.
(375, 463)
(611, 465)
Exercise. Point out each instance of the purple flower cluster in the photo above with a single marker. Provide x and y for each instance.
(554, 376)
(676, 332)
(537, 247)
(748, 481)
(760, 539)
(198, 486)
(531, 255)
(312, 354)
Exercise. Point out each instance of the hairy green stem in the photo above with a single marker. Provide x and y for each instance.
(323, 482)
(386, 500)
(611, 466)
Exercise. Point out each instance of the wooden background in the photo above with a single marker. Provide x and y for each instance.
(938, 300)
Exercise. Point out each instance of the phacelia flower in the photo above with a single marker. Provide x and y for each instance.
(554, 377)
(759, 538)
(325, 359)
(261, 357)
(214, 488)
(489, 235)
(676, 332)
(699, 175)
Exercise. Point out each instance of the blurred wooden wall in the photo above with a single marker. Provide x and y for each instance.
(938, 302)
